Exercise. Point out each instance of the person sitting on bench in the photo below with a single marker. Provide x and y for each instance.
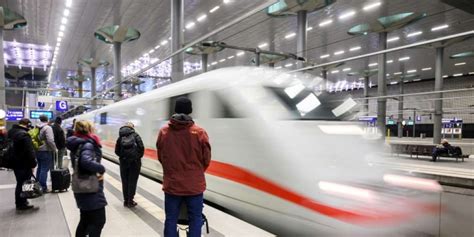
(444, 148)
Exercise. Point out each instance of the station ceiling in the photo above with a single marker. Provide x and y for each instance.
(78, 19)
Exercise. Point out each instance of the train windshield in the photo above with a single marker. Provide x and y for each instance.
(305, 104)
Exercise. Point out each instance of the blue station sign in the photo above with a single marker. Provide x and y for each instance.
(61, 106)
(15, 114)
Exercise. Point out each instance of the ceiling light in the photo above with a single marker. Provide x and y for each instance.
(324, 56)
(190, 25)
(393, 39)
(393, 83)
(347, 14)
(240, 54)
(279, 67)
(411, 71)
(371, 6)
(460, 64)
(231, 57)
(417, 79)
(68, 3)
(202, 17)
(335, 71)
(346, 69)
(164, 42)
(339, 52)
(354, 48)
(403, 58)
(309, 28)
(457, 75)
(61, 34)
(227, 1)
(64, 21)
(439, 27)
(151, 51)
(471, 73)
(445, 76)
(326, 22)
(426, 69)
(289, 65)
(66, 12)
(222, 60)
(213, 63)
(62, 27)
(214, 9)
(262, 45)
(290, 35)
(397, 73)
(373, 64)
(390, 61)
(415, 33)
(59, 39)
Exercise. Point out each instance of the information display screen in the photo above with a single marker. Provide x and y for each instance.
(15, 114)
(35, 114)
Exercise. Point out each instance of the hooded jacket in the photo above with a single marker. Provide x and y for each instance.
(185, 153)
(23, 149)
(46, 135)
(89, 163)
(126, 131)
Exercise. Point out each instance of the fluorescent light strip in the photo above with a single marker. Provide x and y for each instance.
(230, 57)
(290, 35)
(309, 28)
(346, 69)
(404, 59)
(222, 60)
(279, 67)
(213, 63)
(411, 71)
(393, 83)
(164, 42)
(324, 56)
(418, 79)
(415, 34)
(190, 25)
(373, 64)
(346, 15)
(326, 22)
(335, 71)
(457, 75)
(262, 45)
(201, 18)
(355, 48)
(397, 73)
(393, 39)
(471, 73)
(439, 27)
(339, 52)
(371, 6)
(240, 54)
(390, 61)
(289, 65)
(426, 69)
(460, 64)
(445, 76)
(214, 9)
(66, 12)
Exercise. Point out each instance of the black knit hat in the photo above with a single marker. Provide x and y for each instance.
(183, 106)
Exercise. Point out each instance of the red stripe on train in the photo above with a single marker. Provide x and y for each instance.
(248, 178)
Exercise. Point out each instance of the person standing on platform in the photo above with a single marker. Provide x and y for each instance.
(24, 159)
(45, 152)
(60, 141)
(70, 130)
(130, 149)
(185, 153)
(87, 147)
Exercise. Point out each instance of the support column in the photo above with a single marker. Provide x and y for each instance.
(80, 85)
(204, 62)
(257, 58)
(414, 122)
(400, 109)
(177, 38)
(366, 95)
(2, 75)
(382, 85)
(302, 25)
(93, 88)
(117, 71)
(438, 104)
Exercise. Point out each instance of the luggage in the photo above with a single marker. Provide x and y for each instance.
(31, 188)
(60, 179)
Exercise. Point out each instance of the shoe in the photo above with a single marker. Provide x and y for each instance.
(125, 203)
(132, 204)
(24, 207)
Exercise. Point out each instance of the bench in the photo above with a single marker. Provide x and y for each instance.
(420, 150)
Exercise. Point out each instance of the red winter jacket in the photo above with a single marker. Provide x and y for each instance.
(185, 153)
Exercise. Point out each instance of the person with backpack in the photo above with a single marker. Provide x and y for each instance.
(86, 151)
(60, 141)
(46, 148)
(130, 149)
(185, 153)
(24, 159)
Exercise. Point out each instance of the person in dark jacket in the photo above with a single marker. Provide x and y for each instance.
(70, 130)
(91, 205)
(129, 148)
(60, 141)
(185, 153)
(24, 161)
(444, 148)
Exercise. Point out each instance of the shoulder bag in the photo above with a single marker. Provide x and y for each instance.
(83, 183)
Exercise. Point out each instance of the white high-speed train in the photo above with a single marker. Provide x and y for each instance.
(283, 158)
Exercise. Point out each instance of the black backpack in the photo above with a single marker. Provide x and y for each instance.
(6, 153)
(129, 147)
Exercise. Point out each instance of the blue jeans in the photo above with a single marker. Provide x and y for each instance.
(45, 158)
(172, 208)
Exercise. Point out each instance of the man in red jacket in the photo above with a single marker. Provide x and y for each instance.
(185, 153)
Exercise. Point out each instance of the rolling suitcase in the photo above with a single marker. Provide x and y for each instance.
(60, 180)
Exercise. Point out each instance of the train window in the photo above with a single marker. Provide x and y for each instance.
(103, 118)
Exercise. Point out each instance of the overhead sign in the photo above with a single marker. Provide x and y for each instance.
(41, 104)
(15, 114)
(35, 114)
(61, 106)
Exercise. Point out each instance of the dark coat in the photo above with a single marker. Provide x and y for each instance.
(89, 163)
(23, 149)
(126, 131)
(59, 137)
